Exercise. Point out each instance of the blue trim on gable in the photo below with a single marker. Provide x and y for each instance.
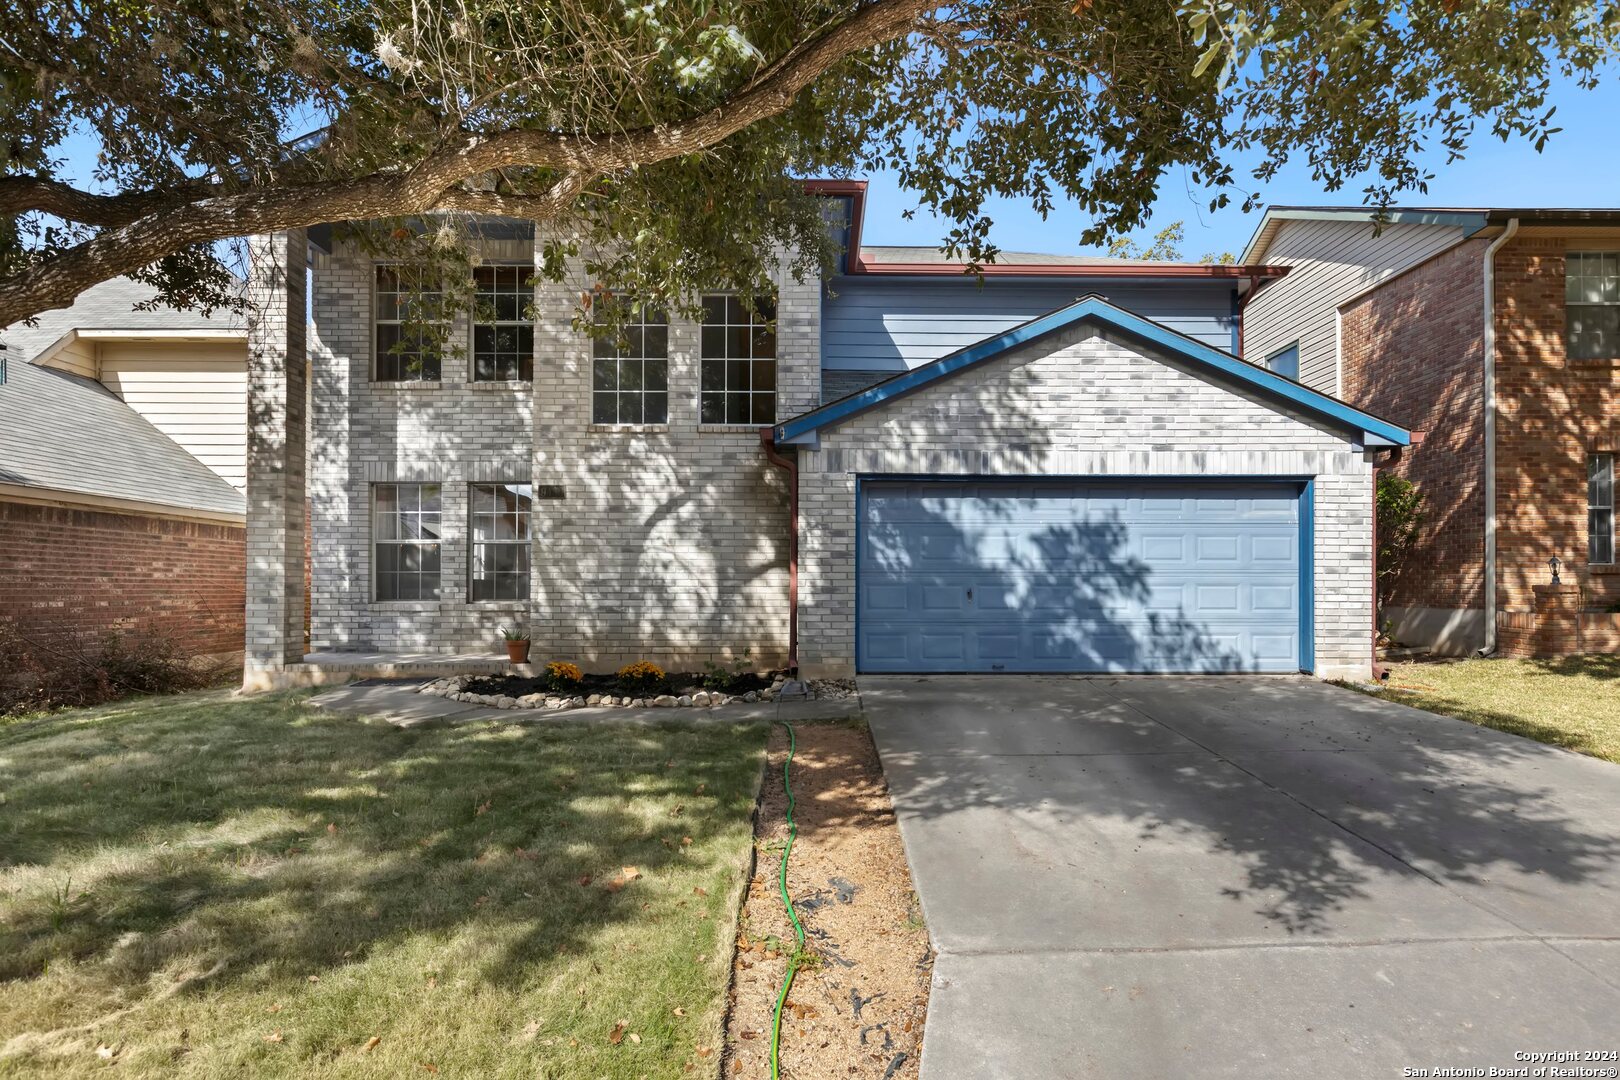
(1307, 577)
(1092, 307)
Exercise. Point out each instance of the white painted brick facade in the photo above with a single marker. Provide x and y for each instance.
(1080, 404)
(670, 542)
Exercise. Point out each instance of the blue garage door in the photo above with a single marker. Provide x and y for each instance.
(1078, 576)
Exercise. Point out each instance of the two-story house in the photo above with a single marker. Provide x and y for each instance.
(1058, 466)
(1496, 333)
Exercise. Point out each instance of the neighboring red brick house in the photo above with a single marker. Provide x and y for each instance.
(122, 438)
(1408, 342)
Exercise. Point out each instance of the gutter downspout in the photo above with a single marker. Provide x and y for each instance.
(792, 469)
(1489, 341)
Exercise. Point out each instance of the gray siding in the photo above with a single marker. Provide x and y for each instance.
(1330, 262)
(891, 325)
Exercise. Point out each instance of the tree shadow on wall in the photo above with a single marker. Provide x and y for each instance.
(1061, 596)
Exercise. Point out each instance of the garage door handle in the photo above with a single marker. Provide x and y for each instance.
(970, 596)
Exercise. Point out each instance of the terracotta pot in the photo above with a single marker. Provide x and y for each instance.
(517, 652)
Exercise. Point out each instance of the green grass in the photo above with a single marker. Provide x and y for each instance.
(206, 886)
(1573, 702)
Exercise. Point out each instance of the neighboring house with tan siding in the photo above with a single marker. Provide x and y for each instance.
(122, 467)
(1515, 389)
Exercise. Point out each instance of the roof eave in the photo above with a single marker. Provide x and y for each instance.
(1241, 272)
(1470, 221)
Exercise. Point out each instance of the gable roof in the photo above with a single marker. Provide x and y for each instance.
(1471, 220)
(1370, 430)
(110, 305)
(65, 433)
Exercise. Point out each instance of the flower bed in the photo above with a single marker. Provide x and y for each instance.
(680, 690)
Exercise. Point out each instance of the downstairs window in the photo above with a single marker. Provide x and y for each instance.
(405, 532)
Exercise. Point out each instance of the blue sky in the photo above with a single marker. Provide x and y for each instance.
(1580, 166)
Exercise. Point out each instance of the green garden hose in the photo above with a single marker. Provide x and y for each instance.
(787, 902)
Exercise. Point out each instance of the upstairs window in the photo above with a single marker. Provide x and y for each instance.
(1600, 509)
(1286, 362)
(500, 541)
(1592, 305)
(630, 372)
(408, 309)
(405, 533)
(503, 324)
(738, 360)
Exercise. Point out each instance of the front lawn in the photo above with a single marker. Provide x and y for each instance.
(1574, 702)
(206, 886)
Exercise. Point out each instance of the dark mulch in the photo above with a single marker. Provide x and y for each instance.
(676, 683)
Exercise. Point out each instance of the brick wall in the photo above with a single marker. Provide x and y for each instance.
(669, 542)
(1553, 412)
(1081, 404)
(1412, 352)
(94, 571)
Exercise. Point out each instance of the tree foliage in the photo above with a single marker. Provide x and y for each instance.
(670, 132)
(1399, 504)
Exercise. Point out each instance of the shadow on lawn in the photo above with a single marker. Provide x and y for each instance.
(1593, 667)
(286, 842)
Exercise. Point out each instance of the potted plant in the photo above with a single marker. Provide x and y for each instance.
(517, 644)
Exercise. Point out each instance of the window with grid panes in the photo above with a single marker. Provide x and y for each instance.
(1592, 305)
(405, 532)
(499, 563)
(503, 324)
(1600, 508)
(630, 372)
(406, 349)
(738, 362)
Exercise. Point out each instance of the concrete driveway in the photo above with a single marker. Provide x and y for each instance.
(1211, 877)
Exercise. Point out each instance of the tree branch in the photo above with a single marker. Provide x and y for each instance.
(30, 194)
(133, 242)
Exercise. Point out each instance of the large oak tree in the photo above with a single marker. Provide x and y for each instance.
(669, 132)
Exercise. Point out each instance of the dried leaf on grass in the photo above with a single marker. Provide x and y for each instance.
(371, 1044)
(616, 1036)
(625, 876)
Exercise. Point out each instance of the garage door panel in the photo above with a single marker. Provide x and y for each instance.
(1055, 576)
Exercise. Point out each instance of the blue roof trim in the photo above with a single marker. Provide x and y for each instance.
(1095, 308)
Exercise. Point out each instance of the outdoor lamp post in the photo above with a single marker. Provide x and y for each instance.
(1554, 564)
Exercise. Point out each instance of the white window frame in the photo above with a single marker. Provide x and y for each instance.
(1607, 278)
(758, 406)
(476, 548)
(378, 354)
(401, 540)
(525, 318)
(1600, 532)
(607, 349)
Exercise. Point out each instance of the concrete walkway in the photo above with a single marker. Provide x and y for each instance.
(1222, 877)
(397, 702)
